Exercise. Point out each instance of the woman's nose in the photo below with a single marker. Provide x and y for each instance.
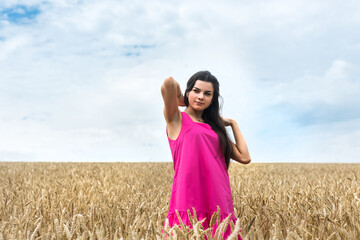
(201, 95)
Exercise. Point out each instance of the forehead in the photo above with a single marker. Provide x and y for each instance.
(204, 86)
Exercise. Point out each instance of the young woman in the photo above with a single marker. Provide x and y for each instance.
(201, 149)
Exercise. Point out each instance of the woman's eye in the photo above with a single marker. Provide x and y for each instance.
(195, 90)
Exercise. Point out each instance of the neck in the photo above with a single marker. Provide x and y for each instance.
(195, 113)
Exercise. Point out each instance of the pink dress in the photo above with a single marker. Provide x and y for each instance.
(201, 179)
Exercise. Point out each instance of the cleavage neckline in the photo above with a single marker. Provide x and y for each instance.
(206, 124)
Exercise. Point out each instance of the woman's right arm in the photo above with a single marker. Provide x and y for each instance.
(170, 91)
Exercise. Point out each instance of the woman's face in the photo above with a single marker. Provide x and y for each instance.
(201, 95)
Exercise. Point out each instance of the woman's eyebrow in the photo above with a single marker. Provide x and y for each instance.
(209, 91)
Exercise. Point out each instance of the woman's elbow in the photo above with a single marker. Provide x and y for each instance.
(243, 160)
(247, 161)
(168, 82)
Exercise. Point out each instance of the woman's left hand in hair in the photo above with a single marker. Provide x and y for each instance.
(227, 121)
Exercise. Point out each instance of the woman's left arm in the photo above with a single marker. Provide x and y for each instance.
(241, 153)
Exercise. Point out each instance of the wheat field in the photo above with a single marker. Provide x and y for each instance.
(130, 201)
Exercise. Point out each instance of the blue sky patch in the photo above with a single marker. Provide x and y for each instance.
(323, 114)
(136, 49)
(132, 54)
(19, 14)
(140, 46)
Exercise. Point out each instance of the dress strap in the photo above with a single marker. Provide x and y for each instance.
(185, 118)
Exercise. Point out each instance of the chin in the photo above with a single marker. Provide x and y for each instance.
(199, 108)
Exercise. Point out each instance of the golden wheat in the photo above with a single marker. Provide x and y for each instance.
(130, 201)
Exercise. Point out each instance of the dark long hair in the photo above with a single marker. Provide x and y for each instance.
(211, 115)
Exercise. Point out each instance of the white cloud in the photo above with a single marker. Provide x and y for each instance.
(333, 88)
(11, 45)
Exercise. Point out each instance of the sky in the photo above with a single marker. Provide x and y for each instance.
(80, 80)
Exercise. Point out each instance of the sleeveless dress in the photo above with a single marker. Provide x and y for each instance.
(201, 180)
